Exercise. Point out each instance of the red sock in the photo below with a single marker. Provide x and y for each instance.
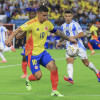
(32, 78)
(99, 45)
(54, 79)
(90, 46)
(24, 65)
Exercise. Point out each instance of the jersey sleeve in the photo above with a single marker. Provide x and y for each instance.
(52, 29)
(26, 27)
(61, 28)
(78, 27)
(5, 29)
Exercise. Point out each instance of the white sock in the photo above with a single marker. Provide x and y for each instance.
(70, 70)
(2, 56)
(7, 49)
(91, 66)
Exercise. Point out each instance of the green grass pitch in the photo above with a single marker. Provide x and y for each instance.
(85, 87)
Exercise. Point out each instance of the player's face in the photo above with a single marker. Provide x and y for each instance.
(68, 17)
(42, 16)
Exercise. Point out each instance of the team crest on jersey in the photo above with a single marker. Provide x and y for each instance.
(46, 28)
(66, 28)
(36, 67)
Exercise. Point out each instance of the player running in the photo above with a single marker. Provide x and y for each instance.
(94, 37)
(35, 51)
(4, 32)
(24, 35)
(73, 30)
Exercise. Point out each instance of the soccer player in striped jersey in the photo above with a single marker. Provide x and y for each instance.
(4, 32)
(35, 51)
(73, 30)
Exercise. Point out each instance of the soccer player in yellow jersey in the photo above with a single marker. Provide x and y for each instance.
(94, 37)
(35, 51)
(27, 34)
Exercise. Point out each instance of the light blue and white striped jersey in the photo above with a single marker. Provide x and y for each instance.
(72, 29)
(2, 33)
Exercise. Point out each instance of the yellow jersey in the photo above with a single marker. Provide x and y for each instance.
(38, 32)
(94, 29)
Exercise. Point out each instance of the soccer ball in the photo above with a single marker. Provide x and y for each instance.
(72, 50)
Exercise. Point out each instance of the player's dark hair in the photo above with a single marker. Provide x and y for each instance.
(68, 11)
(43, 8)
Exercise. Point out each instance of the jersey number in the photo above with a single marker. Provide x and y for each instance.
(42, 35)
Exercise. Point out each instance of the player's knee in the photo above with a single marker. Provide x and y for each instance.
(69, 61)
(38, 76)
(51, 66)
(86, 63)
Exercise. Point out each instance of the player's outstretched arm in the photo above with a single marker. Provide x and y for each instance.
(21, 35)
(65, 37)
(8, 41)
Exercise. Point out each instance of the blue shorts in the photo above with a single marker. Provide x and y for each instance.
(23, 52)
(94, 41)
(44, 58)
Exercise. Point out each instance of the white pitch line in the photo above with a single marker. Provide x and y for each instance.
(55, 59)
(49, 94)
(10, 65)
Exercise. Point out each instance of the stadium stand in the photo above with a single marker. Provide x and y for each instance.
(85, 11)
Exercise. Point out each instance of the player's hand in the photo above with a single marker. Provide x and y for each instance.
(7, 43)
(58, 44)
(72, 40)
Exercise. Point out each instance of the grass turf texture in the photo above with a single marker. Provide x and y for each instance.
(85, 87)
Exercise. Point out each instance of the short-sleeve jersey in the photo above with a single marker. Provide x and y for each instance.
(72, 29)
(94, 29)
(2, 33)
(39, 33)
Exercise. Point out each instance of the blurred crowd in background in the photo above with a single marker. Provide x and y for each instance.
(85, 11)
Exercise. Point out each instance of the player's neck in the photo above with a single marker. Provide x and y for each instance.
(68, 22)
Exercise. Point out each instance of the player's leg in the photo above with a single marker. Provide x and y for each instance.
(2, 46)
(92, 67)
(8, 49)
(51, 66)
(35, 69)
(83, 55)
(70, 61)
(24, 67)
(90, 47)
(24, 64)
(48, 62)
(3, 58)
(33, 77)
